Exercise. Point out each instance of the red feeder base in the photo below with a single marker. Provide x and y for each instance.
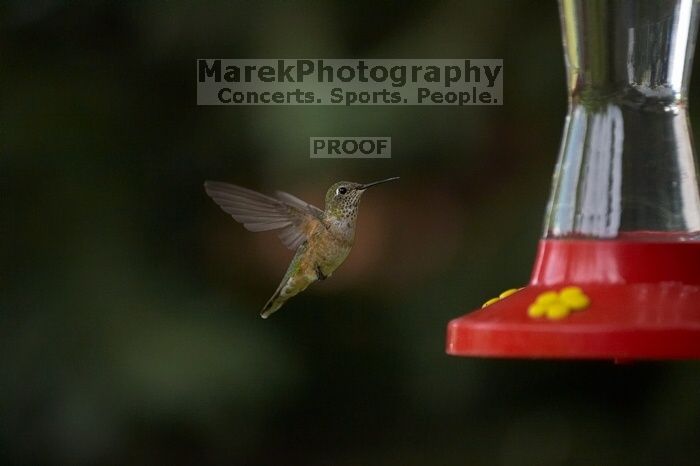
(644, 304)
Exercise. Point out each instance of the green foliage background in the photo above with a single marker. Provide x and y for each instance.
(129, 330)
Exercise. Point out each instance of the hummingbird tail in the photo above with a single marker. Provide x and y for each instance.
(290, 286)
(272, 305)
(293, 283)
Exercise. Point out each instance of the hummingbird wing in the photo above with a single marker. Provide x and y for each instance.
(290, 215)
(293, 237)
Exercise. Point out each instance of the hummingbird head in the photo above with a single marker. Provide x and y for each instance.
(343, 198)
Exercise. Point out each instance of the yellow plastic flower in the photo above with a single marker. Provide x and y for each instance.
(501, 296)
(558, 305)
(537, 310)
(548, 297)
(574, 297)
(507, 293)
(490, 302)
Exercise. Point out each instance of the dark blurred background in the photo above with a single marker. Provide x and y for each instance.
(129, 325)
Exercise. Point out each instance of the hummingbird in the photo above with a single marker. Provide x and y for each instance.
(322, 239)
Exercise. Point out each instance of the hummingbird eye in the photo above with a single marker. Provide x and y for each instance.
(342, 190)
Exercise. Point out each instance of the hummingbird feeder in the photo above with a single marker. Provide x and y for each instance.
(617, 273)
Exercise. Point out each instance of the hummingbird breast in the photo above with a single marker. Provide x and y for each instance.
(327, 249)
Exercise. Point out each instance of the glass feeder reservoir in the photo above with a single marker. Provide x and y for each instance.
(617, 273)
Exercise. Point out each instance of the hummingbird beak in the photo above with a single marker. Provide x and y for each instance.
(369, 185)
